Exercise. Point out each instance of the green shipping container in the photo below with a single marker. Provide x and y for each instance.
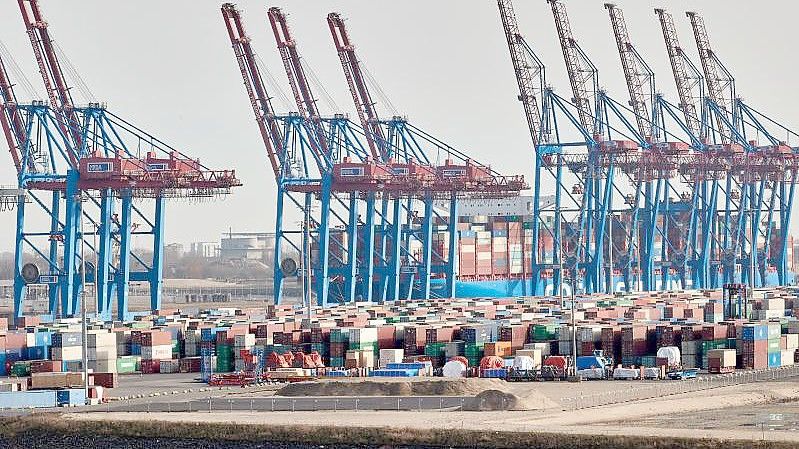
(128, 364)
(21, 369)
(434, 349)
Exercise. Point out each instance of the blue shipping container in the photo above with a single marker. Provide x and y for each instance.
(28, 399)
(71, 396)
(37, 352)
(65, 339)
(44, 338)
(394, 373)
(774, 359)
(754, 332)
(408, 366)
(498, 373)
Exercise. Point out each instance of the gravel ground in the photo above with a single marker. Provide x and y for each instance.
(105, 442)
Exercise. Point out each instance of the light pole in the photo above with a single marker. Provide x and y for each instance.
(84, 332)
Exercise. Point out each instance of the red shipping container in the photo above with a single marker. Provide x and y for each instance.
(45, 366)
(190, 364)
(156, 338)
(150, 366)
(106, 380)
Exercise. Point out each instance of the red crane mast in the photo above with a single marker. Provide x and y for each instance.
(635, 74)
(261, 102)
(580, 71)
(55, 82)
(357, 84)
(300, 87)
(717, 78)
(529, 72)
(679, 67)
(13, 128)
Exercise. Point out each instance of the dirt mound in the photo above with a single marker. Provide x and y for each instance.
(493, 400)
(432, 387)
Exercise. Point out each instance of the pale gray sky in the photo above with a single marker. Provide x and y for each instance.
(168, 67)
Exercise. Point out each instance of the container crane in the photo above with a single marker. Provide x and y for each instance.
(307, 107)
(759, 172)
(599, 165)
(85, 154)
(657, 176)
(300, 172)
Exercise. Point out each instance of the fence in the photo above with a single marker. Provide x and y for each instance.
(283, 404)
(661, 389)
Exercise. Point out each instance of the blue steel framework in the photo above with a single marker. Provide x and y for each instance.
(722, 181)
(374, 183)
(85, 163)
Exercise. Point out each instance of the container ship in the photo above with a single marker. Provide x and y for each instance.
(495, 249)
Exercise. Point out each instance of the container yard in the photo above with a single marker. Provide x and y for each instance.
(632, 278)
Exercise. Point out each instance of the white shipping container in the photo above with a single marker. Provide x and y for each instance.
(66, 353)
(534, 354)
(363, 335)
(391, 356)
(774, 303)
(727, 357)
(106, 353)
(788, 357)
(103, 366)
(791, 341)
(101, 339)
(244, 340)
(191, 350)
(169, 366)
(159, 352)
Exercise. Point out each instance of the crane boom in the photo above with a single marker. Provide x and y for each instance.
(301, 89)
(10, 120)
(581, 71)
(58, 91)
(679, 67)
(636, 72)
(358, 88)
(261, 102)
(717, 78)
(530, 72)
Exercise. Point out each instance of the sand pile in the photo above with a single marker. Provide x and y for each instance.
(437, 387)
(493, 400)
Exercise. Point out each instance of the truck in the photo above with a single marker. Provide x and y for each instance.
(683, 374)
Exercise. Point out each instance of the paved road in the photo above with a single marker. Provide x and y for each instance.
(288, 404)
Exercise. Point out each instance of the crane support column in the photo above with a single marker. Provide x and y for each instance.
(427, 246)
(55, 232)
(322, 271)
(19, 283)
(123, 274)
(104, 254)
(278, 276)
(73, 214)
(156, 274)
(452, 258)
(352, 248)
(368, 274)
(396, 249)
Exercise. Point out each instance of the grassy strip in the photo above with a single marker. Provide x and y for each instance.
(50, 424)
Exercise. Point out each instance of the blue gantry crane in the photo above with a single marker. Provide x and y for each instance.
(693, 195)
(83, 164)
(374, 183)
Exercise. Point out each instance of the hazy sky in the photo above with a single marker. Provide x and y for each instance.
(168, 67)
